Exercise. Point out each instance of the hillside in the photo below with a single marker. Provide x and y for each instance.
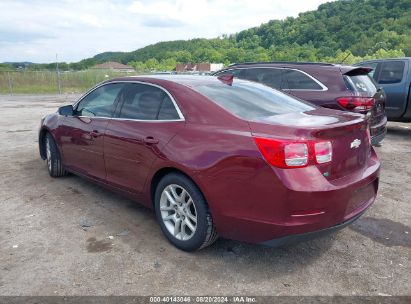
(354, 28)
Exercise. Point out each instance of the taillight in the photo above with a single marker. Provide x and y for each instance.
(296, 154)
(323, 152)
(291, 154)
(356, 103)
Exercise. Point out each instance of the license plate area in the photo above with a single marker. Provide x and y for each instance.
(362, 196)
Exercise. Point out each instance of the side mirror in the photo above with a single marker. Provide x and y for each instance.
(66, 110)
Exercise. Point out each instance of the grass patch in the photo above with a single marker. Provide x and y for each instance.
(43, 82)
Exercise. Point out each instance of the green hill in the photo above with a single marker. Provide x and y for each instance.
(345, 29)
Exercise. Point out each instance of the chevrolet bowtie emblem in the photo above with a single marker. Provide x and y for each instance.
(355, 144)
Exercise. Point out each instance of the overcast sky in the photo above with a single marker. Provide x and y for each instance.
(38, 29)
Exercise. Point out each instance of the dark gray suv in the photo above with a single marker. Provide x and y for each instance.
(328, 85)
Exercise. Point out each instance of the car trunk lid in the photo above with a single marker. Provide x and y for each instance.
(347, 132)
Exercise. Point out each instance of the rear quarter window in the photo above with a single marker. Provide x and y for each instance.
(252, 101)
(296, 80)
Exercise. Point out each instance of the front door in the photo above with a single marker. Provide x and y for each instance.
(82, 135)
(392, 78)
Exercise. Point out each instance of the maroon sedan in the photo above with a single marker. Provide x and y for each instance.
(215, 156)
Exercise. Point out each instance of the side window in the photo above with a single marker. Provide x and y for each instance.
(146, 102)
(167, 110)
(296, 80)
(269, 76)
(250, 74)
(100, 102)
(391, 72)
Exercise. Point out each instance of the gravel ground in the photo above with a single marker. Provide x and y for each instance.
(68, 236)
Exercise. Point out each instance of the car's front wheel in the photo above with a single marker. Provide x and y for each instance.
(53, 158)
(183, 214)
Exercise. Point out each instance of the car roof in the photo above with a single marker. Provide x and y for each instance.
(303, 66)
(385, 59)
(275, 63)
(286, 64)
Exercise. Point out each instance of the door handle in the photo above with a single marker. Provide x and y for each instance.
(150, 140)
(95, 133)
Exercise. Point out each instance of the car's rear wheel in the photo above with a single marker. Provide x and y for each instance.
(183, 214)
(53, 158)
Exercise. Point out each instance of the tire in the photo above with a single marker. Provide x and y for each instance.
(53, 158)
(174, 207)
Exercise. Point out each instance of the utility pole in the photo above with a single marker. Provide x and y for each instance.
(10, 84)
(58, 75)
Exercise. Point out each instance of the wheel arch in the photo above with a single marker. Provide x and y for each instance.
(160, 173)
(209, 232)
(42, 136)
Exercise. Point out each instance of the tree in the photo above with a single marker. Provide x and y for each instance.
(138, 66)
(151, 64)
(167, 64)
(355, 28)
(183, 56)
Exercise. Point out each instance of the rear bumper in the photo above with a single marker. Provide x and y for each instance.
(305, 225)
(267, 212)
(297, 238)
(375, 140)
(378, 131)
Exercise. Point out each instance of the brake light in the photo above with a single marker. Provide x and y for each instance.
(291, 154)
(356, 103)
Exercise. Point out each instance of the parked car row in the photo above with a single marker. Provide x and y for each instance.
(223, 156)
(394, 76)
(326, 85)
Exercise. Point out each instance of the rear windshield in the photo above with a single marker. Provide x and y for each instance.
(362, 84)
(252, 101)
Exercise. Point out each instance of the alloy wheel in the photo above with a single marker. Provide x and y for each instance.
(178, 212)
(48, 153)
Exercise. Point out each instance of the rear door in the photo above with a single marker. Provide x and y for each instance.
(146, 119)
(82, 134)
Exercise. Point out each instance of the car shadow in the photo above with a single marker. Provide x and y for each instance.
(262, 261)
(384, 231)
(400, 131)
(235, 255)
(110, 210)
